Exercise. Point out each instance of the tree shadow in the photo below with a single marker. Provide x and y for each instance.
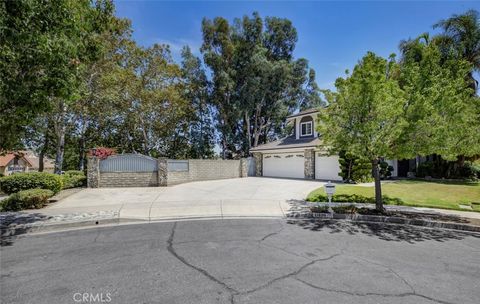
(16, 223)
(387, 232)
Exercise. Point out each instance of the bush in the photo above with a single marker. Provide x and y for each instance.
(385, 170)
(355, 198)
(26, 199)
(469, 170)
(73, 178)
(24, 181)
(425, 169)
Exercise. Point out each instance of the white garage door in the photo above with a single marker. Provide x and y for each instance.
(283, 165)
(327, 167)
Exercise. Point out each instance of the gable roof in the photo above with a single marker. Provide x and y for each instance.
(304, 112)
(289, 143)
(5, 159)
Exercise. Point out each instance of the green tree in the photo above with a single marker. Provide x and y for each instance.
(201, 131)
(441, 111)
(364, 116)
(461, 38)
(43, 47)
(256, 82)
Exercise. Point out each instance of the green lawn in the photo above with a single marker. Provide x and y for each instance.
(446, 195)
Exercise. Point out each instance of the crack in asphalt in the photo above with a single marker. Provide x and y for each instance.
(391, 270)
(397, 295)
(170, 249)
(272, 234)
(294, 273)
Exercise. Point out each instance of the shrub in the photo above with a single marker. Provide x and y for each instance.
(425, 169)
(320, 209)
(26, 199)
(350, 209)
(355, 198)
(354, 169)
(73, 178)
(24, 181)
(469, 170)
(385, 170)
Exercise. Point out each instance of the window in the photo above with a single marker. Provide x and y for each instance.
(306, 128)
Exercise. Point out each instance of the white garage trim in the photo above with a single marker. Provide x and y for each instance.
(284, 165)
(327, 167)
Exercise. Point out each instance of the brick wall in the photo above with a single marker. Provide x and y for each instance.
(128, 179)
(206, 169)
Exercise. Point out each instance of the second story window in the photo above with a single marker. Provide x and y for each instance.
(306, 128)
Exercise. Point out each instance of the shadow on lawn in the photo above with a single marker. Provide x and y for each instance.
(386, 232)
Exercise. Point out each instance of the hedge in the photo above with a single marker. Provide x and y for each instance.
(31, 180)
(73, 178)
(26, 199)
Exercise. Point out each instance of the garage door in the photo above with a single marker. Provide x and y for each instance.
(327, 167)
(283, 165)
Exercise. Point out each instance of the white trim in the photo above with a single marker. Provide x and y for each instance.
(311, 128)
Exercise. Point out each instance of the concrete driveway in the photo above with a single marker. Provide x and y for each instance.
(252, 196)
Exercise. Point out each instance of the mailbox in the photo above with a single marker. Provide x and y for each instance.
(329, 190)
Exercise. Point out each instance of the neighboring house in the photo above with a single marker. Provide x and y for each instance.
(14, 162)
(48, 164)
(300, 155)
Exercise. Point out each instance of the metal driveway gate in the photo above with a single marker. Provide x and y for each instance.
(128, 170)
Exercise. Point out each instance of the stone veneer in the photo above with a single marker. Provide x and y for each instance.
(309, 164)
(93, 172)
(258, 163)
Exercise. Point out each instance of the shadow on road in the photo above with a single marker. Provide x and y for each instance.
(387, 232)
(19, 221)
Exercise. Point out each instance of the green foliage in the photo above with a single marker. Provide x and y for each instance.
(256, 82)
(24, 181)
(353, 198)
(441, 112)
(365, 116)
(385, 170)
(26, 199)
(44, 45)
(73, 178)
(354, 169)
(425, 169)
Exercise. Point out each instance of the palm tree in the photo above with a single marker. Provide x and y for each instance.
(461, 37)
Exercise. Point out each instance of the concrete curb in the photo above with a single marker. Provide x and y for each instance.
(384, 219)
(7, 231)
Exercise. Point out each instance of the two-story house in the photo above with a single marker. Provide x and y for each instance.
(300, 155)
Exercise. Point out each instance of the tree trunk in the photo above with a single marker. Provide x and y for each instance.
(378, 186)
(41, 156)
(81, 161)
(60, 149)
(60, 129)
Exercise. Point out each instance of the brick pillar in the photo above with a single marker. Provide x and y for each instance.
(309, 164)
(258, 163)
(93, 172)
(162, 173)
(243, 167)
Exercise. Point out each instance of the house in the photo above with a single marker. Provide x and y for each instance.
(300, 155)
(48, 164)
(13, 162)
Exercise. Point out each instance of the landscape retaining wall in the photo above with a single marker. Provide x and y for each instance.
(128, 179)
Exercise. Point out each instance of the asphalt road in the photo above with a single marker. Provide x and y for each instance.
(243, 261)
